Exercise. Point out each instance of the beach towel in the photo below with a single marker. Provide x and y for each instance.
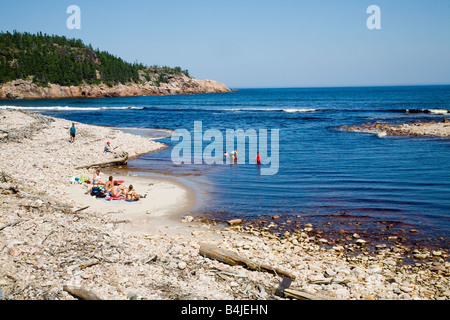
(115, 198)
(102, 184)
(74, 179)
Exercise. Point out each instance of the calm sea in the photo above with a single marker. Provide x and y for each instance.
(334, 179)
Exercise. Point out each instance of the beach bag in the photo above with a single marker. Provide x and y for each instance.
(97, 192)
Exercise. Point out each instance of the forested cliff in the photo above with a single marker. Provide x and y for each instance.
(47, 66)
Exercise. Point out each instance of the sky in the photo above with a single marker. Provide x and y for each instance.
(259, 43)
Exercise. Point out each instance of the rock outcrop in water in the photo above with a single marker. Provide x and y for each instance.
(419, 129)
(176, 84)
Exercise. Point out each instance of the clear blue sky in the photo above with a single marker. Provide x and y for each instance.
(259, 43)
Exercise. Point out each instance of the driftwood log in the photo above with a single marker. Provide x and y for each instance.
(81, 293)
(117, 161)
(232, 258)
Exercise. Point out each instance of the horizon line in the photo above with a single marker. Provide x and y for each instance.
(349, 86)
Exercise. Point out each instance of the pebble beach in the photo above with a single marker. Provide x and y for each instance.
(54, 236)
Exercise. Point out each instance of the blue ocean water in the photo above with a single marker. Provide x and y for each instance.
(335, 179)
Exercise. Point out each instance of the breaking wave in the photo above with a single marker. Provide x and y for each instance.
(67, 108)
(271, 110)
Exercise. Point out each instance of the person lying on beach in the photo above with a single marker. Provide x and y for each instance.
(96, 179)
(116, 191)
(110, 184)
(131, 194)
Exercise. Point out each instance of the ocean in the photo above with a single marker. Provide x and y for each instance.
(341, 182)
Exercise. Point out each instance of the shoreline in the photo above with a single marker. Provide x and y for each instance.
(49, 241)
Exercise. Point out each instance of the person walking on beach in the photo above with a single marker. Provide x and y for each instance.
(72, 132)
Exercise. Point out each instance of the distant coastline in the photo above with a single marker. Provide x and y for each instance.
(178, 84)
(41, 66)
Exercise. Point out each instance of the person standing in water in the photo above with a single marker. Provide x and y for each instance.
(233, 155)
(258, 158)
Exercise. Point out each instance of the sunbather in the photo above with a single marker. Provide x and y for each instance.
(131, 194)
(96, 179)
(116, 191)
(110, 184)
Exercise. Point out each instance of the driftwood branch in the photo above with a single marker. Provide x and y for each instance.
(284, 291)
(117, 161)
(11, 224)
(302, 295)
(90, 263)
(81, 209)
(81, 293)
(232, 258)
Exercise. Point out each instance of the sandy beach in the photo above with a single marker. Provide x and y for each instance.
(150, 250)
(159, 212)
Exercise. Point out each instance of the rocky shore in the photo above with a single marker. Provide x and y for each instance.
(418, 129)
(51, 244)
(176, 84)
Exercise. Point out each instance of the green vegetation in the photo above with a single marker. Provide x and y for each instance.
(56, 59)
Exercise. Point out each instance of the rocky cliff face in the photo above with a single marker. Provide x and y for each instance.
(175, 84)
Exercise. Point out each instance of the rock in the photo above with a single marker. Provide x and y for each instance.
(131, 296)
(407, 288)
(188, 219)
(420, 256)
(182, 265)
(234, 222)
(372, 269)
(14, 251)
(330, 272)
(437, 268)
